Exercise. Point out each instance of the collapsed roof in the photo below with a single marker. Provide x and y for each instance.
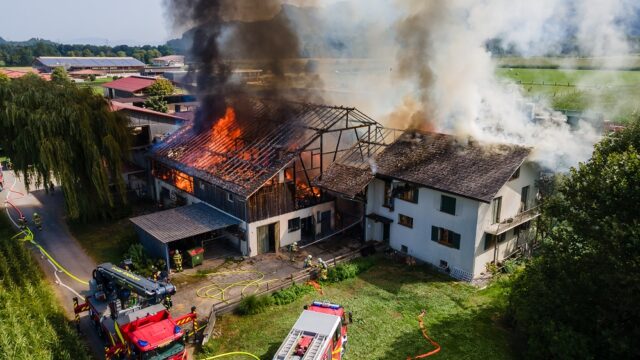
(243, 154)
(434, 160)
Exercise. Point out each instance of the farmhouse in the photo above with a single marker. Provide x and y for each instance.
(106, 65)
(254, 166)
(456, 204)
(128, 87)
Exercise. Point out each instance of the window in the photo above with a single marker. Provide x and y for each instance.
(515, 174)
(448, 204)
(229, 197)
(408, 193)
(445, 237)
(404, 249)
(387, 201)
(294, 224)
(495, 210)
(490, 240)
(524, 199)
(405, 220)
(444, 264)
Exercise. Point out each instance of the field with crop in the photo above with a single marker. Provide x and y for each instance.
(612, 93)
(385, 301)
(32, 323)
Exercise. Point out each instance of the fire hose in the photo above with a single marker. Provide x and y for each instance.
(29, 236)
(218, 290)
(231, 354)
(424, 333)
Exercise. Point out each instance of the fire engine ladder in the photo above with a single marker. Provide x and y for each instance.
(289, 345)
(315, 347)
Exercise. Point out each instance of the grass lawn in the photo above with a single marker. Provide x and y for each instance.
(613, 93)
(385, 301)
(96, 86)
(105, 241)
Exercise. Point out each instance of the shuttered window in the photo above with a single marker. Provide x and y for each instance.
(445, 237)
(448, 204)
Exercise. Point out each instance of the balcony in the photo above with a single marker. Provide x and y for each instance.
(512, 222)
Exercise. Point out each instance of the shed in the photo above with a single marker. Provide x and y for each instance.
(157, 230)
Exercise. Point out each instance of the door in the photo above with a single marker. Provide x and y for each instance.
(386, 233)
(263, 239)
(307, 228)
(325, 223)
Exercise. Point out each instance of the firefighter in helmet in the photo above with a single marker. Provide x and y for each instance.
(37, 220)
(177, 260)
(324, 269)
(293, 250)
(307, 261)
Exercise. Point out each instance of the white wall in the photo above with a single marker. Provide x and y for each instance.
(286, 237)
(426, 213)
(510, 193)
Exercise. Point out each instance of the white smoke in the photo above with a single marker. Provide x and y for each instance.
(437, 57)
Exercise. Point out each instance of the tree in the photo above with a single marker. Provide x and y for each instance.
(156, 103)
(121, 54)
(58, 130)
(59, 75)
(162, 87)
(579, 298)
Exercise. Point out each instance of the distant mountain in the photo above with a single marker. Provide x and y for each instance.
(2, 41)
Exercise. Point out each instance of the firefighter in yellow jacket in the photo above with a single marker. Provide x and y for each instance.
(177, 260)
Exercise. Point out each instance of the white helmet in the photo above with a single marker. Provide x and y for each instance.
(309, 256)
(177, 251)
(320, 260)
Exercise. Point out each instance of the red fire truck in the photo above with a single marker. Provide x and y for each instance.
(320, 333)
(131, 313)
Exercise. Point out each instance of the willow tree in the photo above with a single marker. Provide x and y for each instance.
(54, 130)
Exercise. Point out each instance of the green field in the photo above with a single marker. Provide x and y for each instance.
(32, 323)
(385, 301)
(613, 93)
(96, 86)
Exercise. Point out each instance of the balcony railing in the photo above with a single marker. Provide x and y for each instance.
(512, 222)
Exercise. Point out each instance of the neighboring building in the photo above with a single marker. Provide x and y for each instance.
(147, 127)
(14, 74)
(108, 65)
(457, 205)
(128, 87)
(256, 167)
(176, 61)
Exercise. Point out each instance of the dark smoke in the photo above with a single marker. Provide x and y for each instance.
(225, 30)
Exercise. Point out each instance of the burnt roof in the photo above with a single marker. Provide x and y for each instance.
(265, 140)
(439, 161)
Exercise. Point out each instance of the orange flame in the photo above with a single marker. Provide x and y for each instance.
(226, 128)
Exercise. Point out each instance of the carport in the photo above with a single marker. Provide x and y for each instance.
(186, 224)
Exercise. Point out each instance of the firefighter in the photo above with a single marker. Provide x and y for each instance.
(154, 273)
(324, 269)
(177, 260)
(168, 303)
(37, 220)
(293, 250)
(22, 222)
(307, 261)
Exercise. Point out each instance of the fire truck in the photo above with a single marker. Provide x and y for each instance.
(320, 333)
(131, 313)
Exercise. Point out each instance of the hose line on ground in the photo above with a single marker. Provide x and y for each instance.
(424, 333)
(231, 354)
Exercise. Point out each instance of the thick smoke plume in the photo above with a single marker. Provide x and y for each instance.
(436, 72)
(225, 30)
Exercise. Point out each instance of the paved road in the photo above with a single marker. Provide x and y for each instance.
(56, 239)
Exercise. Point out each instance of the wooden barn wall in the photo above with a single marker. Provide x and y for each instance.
(218, 197)
(270, 201)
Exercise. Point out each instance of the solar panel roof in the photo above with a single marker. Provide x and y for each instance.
(89, 61)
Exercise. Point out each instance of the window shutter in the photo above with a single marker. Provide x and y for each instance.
(456, 240)
(434, 233)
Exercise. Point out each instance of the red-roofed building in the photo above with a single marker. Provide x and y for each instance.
(14, 74)
(127, 87)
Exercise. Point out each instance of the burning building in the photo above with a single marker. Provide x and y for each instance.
(255, 168)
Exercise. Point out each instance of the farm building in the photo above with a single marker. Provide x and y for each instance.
(456, 204)
(14, 74)
(107, 65)
(169, 61)
(128, 87)
(256, 165)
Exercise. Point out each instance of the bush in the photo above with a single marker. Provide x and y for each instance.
(253, 304)
(141, 261)
(351, 269)
(291, 294)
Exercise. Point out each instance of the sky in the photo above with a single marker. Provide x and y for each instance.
(110, 22)
(100, 22)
